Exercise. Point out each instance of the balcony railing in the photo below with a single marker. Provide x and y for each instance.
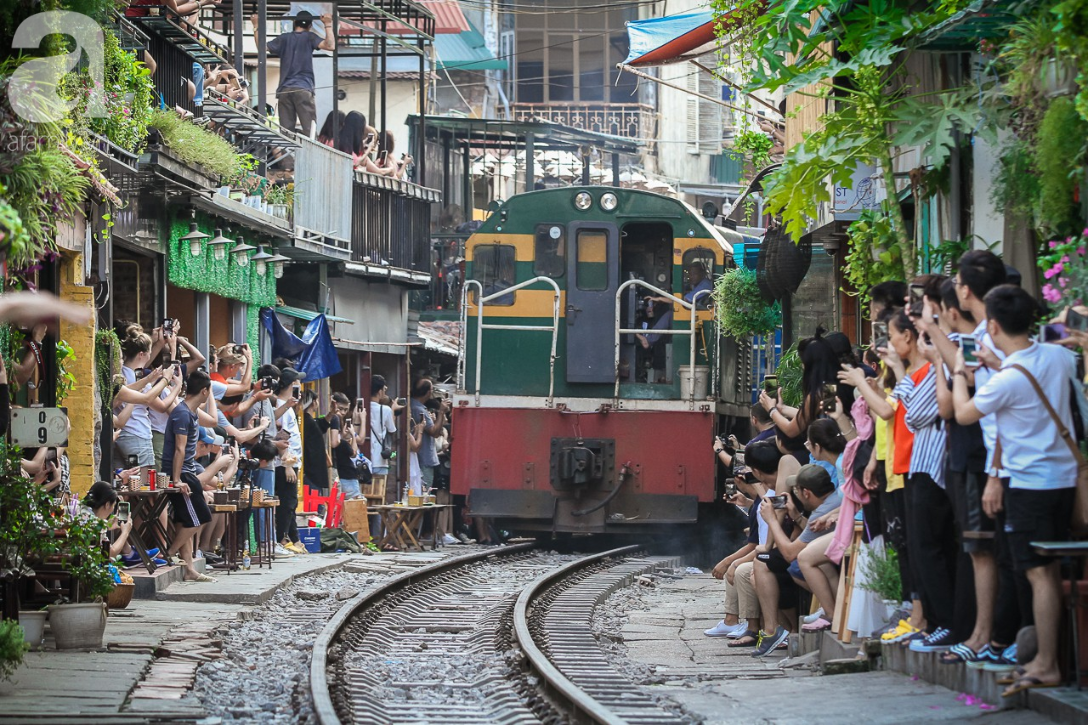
(323, 196)
(630, 120)
(392, 223)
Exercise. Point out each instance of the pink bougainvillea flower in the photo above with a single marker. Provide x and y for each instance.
(1062, 282)
(1065, 258)
(1053, 271)
(1050, 294)
(1054, 243)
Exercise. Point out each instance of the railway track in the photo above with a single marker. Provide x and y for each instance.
(501, 636)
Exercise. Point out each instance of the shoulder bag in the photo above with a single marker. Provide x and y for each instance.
(388, 444)
(1080, 504)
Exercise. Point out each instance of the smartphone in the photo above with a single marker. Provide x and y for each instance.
(880, 334)
(296, 392)
(123, 511)
(228, 442)
(770, 386)
(1053, 333)
(738, 460)
(827, 397)
(370, 138)
(917, 292)
(168, 327)
(778, 502)
(1076, 321)
(970, 350)
(132, 461)
(402, 401)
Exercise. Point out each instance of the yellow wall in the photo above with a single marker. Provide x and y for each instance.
(80, 401)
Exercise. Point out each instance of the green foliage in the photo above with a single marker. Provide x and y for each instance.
(1016, 187)
(739, 306)
(755, 146)
(66, 381)
(882, 575)
(1070, 25)
(944, 256)
(789, 377)
(13, 646)
(873, 255)
(28, 518)
(194, 145)
(128, 95)
(224, 278)
(1023, 61)
(1065, 271)
(1058, 163)
(90, 563)
(107, 364)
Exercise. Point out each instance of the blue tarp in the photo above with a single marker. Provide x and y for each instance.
(670, 39)
(313, 354)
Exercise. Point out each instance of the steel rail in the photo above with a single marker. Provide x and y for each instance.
(558, 683)
(324, 708)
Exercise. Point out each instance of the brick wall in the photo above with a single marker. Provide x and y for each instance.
(81, 401)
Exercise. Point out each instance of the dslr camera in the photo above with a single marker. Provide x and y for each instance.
(248, 464)
(268, 383)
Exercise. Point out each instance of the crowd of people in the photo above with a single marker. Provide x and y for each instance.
(951, 441)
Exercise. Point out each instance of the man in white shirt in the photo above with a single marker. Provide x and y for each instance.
(1042, 470)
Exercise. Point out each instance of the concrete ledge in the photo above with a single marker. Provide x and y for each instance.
(927, 666)
(149, 585)
(1066, 705)
(254, 586)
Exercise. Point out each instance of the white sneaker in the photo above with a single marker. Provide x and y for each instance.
(281, 553)
(721, 629)
(810, 618)
(450, 540)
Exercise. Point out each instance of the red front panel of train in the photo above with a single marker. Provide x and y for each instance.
(510, 449)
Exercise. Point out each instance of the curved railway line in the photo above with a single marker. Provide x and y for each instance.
(499, 636)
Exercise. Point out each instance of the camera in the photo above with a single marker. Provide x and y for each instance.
(132, 461)
(268, 383)
(246, 465)
(827, 397)
(778, 502)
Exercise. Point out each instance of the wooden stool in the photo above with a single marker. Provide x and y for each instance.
(846, 586)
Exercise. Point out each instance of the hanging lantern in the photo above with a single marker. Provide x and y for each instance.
(195, 237)
(219, 245)
(261, 258)
(241, 253)
(278, 262)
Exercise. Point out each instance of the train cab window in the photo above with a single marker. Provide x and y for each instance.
(592, 261)
(550, 250)
(493, 266)
(698, 274)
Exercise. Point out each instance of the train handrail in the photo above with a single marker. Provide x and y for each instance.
(480, 327)
(690, 331)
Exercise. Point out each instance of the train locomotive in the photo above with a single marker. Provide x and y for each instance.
(591, 376)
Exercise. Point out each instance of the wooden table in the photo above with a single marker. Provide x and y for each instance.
(230, 547)
(400, 522)
(266, 544)
(1071, 550)
(147, 507)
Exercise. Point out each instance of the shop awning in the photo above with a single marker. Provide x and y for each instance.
(670, 39)
(307, 315)
(465, 51)
(441, 336)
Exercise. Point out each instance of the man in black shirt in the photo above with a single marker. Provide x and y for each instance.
(295, 93)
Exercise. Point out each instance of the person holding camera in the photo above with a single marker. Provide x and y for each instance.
(136, 437)
(347, 426)
(433, 427)
(167, 337)
(261, 403)
(383, 429)
(189, 510)
(289, 394)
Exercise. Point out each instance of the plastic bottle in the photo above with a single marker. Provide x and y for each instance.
(246, 561)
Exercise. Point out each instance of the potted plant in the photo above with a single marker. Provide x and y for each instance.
(12, 648)
(82, 624)
(881, 576)
(33, 624)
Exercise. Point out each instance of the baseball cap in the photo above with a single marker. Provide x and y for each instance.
(227, 356)
(290, 375)
(209, 438)
(304, 15)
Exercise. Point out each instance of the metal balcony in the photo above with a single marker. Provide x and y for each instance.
(628, 120)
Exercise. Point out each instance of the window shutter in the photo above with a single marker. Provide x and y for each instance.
(710, 122)
(691, 82)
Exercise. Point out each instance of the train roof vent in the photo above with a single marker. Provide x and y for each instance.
(782, 264)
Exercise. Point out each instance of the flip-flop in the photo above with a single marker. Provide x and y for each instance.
(1027, 683)
(204, 578)
(819, 625)
(748, 639)
(1012, 677)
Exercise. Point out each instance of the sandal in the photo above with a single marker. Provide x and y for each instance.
(1028, 683)
(1012, 677)
(959, 653)
(203, 578)
(748, 639)
(819, 625)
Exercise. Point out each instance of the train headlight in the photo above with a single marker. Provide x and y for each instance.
(609, 201)
(582, 201)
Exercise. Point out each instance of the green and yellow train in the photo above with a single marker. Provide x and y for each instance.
(583, 406)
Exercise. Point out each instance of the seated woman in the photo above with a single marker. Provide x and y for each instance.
(101, 501)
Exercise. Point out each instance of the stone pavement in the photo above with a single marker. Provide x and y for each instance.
(78, 687)
(674, 659)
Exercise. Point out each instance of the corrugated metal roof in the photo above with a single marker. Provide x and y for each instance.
(465, 51)
(448, 17)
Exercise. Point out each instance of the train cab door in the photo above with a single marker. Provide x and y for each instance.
(592, 280)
